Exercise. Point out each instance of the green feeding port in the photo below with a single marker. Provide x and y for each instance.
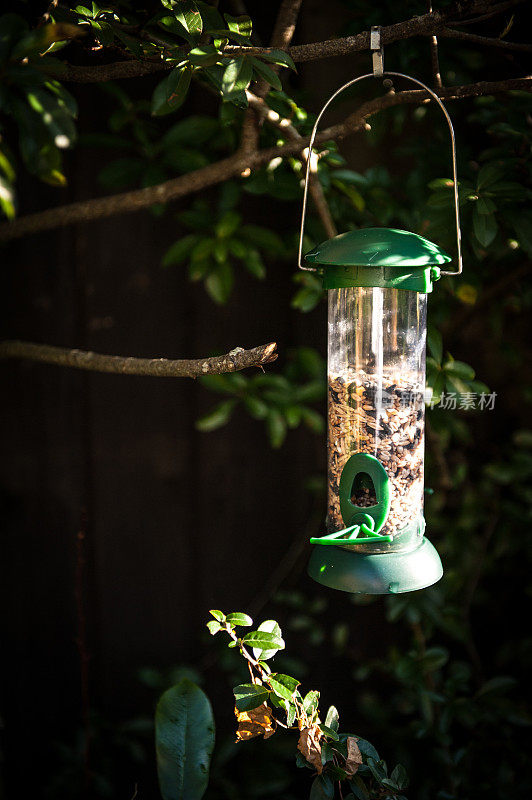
(380, 257)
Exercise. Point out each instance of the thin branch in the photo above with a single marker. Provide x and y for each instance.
(434, 57)
(236, 360)
(184, 185)
(499, 8)
(485, 41)
(424, 25)
(316, 190)
(72, 73)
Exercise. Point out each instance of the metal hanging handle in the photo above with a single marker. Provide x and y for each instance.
(378, 74)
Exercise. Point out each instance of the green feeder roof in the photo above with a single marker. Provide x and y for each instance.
(382, 257)
(378, 247)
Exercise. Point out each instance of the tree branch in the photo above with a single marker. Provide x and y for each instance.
(425, 25)
(485, 41)
(236, 360)
(184, 185)
(264, 112)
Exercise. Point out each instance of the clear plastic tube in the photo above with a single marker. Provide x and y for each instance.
(376, 372)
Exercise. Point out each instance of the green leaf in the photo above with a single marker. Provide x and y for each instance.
(485, 227)
(501, 683)
(241, 25)
(212, 19)
(228, 224)
(310, 702)
(329, 732)
(399, 777)
(332, 719)
(249, 696)
(268, 626)
(254, 264)
(184, 741)
(367, 749)
(460, 370)
(12, 28)
(187, 13)
(434, 342)
(489, 174)
(262, 238)
(523, 228)
(214, 627)
(377, 769)
(54, 116)
(434, 658)
(313, 420)
(204, 56)
(171, 92)
(236, 77)
(322, 788)
(267, 74)
(239, 619)
(358, 787)
(283, 685)
(219, 615)
(179, 251)
(264, 640)
(216, 418)
(220, 283)
(40, 39)
(485, 205)
(276, 425)
(279, 57)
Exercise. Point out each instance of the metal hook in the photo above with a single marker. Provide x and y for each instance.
(377, 51)
(453, 156)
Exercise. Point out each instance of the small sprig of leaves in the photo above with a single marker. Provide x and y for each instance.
(273, 700)
(218, 240)
(281, 401)
(493, 206)
(445, 374)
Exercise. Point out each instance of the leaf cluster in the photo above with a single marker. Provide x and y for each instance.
(281, 401)
(334, 757)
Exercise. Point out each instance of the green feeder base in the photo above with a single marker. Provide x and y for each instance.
(376, 573)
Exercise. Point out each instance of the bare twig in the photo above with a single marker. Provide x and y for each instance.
(184, 185)
(484, 41)
(290, 132)
(434, 57)
(498, 8)
(236, 360)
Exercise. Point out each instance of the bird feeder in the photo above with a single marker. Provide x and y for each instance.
(377, 281)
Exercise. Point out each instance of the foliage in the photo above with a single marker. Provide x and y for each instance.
(42, 109)
(217, 241)
(184, 739)
(335, 758)
(282, 401)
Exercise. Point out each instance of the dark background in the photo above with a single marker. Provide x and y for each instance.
(174, 521)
